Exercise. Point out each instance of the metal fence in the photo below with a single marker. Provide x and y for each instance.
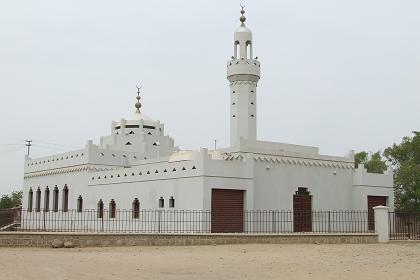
(278, 221)
(119, 220)
(192, 221)
(404, 225)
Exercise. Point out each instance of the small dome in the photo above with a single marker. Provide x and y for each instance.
(139, 116)
(139, 119)
(243, 34)
(243, 29)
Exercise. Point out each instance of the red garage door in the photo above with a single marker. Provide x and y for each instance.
(227, 210)
(372, 202)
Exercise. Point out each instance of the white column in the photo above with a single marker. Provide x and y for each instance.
(250, 51)
(382, 223)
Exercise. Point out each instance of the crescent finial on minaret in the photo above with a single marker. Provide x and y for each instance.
(138, 104)
(242, 18)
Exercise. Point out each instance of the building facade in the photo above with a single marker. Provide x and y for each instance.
(137, 165)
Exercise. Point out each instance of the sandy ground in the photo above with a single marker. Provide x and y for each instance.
(387, 261)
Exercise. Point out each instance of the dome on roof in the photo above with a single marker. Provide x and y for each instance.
(139, 116)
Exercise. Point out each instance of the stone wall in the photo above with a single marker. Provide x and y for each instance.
(16, 239)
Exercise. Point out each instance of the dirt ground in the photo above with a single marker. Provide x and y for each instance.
(374, 261)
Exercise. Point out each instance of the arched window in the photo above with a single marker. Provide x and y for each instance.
(47, 200)
(100, 209)
(79, 204)
(112, 208)
(161, 202)
(38, 200)
(55, 199)
(136, 208)
(171, 202)
(30, 199)
(65, 206)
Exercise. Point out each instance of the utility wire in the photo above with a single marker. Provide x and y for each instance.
(49, 148)
(12, 144)
(55, 144)
(40, 141)
(11, 150)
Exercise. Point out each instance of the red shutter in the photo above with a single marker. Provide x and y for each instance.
(227, 210)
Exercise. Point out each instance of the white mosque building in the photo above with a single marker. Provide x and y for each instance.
(138, 166)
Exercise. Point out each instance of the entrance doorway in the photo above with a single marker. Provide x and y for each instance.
(227, 210)
(302, 210)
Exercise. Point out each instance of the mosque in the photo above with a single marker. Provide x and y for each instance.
(138, 166)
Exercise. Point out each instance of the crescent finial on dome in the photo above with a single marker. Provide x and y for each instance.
(242, 18)
(138, 104)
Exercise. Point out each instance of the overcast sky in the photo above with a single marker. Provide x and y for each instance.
(336, 74)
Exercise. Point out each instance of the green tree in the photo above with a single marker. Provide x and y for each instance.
(373, 162)
(12, 200)
(5, 201)
(16, 198)
(405, 159)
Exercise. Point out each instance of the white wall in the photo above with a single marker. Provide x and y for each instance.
(76, 183)
(186, 192)
(276, 183)
(269, 181)
(365, 184)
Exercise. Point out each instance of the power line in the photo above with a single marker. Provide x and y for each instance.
(39, 141)
(55, 144)
(12, 150)
(11, 145)
(49, 148)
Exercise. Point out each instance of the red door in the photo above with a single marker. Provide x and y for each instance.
(302, 210)
(372, 202)
(227, 210)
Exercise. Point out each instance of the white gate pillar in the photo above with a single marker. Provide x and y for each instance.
(382, 223)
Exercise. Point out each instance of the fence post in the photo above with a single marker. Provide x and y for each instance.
(329, 221)
(382, 223)
(159, 216)
(102, 222)
(43, 219)
(273, 220)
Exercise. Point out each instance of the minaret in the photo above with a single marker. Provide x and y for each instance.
(243, 73)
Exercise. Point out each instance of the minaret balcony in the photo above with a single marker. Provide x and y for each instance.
(248, 67)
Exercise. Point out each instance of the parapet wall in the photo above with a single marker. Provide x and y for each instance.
(363, 178)
(63, 160)
(35, 239)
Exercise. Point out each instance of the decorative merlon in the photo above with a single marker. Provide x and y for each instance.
(294, 161)
(67, 170)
